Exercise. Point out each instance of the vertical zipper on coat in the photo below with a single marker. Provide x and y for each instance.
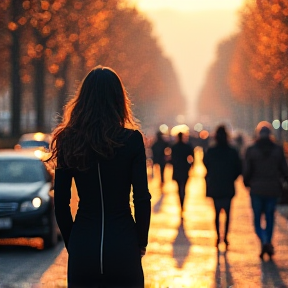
(102, 228)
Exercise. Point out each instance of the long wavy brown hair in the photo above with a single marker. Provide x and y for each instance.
(93, 119)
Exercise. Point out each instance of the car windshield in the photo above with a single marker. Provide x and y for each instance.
(21, 171)
(34, 143)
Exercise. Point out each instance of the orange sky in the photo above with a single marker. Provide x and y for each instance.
(184, 5)
(189, 32)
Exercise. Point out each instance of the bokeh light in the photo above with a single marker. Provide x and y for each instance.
(204, 134)
(198, 127)
(163, 128)
(38, 153)
(179, 128)
(39, 136)
(276, 124)
(285, 125)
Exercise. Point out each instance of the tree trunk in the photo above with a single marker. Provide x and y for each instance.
(39, 96)
(249, 119)
(280, 107)
(261, 111)
(63, 91)
(16, 85)
(270, 108)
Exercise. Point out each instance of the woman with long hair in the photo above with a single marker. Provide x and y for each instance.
(99, 144)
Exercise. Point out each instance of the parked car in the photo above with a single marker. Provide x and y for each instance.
(26, 198)
(34, 140)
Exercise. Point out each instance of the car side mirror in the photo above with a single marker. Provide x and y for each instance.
(17, 147)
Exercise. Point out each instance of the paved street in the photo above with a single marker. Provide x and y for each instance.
(184, 254)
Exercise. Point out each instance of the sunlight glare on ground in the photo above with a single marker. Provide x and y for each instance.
(162, 270)
(182, 254)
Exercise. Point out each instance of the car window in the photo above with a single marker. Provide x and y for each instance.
(33, 143)
(21, 171)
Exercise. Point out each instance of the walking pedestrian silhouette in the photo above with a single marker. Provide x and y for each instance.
(181, 159)
(223, 166)
(265, 166)
(158, 154)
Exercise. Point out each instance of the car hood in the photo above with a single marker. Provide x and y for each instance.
(17, 191)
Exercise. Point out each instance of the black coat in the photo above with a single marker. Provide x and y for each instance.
(223, 166)
(104, 241)
(265, 167)
(158, 151)
(179, 159)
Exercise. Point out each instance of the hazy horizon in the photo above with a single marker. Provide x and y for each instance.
(190, 40)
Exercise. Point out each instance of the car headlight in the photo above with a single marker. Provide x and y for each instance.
(31, 205)
(36, 202)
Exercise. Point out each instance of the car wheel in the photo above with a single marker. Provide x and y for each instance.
(51, 239)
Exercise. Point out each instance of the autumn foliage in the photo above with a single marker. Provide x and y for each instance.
(257, 73)
(48, 46)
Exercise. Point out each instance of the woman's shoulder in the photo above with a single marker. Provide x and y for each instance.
(128, 135)
(135, 135)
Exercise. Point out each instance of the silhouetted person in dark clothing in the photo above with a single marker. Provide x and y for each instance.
(239, 145)
(181, 159)
(223, 166)
(94, 146)
(158, 151)
(265, 165)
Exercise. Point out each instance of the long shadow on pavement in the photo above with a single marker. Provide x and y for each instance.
(270, 275)
(181, 246)
(158, 204)
(223, 277)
